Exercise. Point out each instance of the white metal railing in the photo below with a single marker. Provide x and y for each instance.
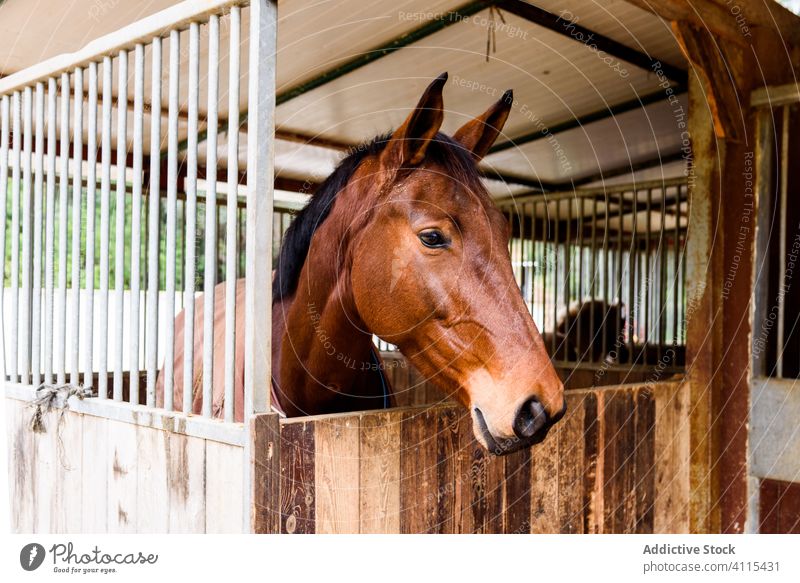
(602, 270)
(776, 351)
(60, 159)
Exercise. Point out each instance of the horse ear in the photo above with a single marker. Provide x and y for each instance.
(409, 142)
(478, 135)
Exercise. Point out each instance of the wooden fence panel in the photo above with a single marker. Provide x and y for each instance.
(603, 468)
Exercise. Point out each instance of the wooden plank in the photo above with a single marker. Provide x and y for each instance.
(544, 485)
(22, 467)
(644, 448)
(619, 462)
(265, 452)
(571, 458)
(66, 437)
(517, 495)
(418, 477)
(592, 466)
(671, 443)
(94, 474)
(336, 474)
(122, 481)
(49, 494)
(447, 466)
(380, 473)
(297, 478)
(152, 495)
(186, 475)
(224, 484)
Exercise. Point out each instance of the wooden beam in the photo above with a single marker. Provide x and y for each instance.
(720, 68)
(719, 19)
(588, 37)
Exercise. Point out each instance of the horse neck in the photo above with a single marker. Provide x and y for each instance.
(325, 350)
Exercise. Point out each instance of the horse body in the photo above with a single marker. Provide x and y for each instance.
(403, 241)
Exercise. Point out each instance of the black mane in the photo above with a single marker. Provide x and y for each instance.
(443, 150)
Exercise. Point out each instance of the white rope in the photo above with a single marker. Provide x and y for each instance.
(49, 397)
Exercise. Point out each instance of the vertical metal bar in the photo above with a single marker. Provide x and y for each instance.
(568, 273)
(15, 180)
(648, 271)
(91, 195)
(4, 136)
(49, 244)
(593, 282)
(676, 296)
(582, 207)
(77, 195)
(784, 191)
(211, 214)
(154, 224)
(38, 187)
(232, 215)
(136, 218)
(619, 270)
(27, 210)
(662, 250)
(63, 185)
(105, 227)
(556, 274)
(260, 128)
(119, 210)
(260, 200)
(191, 219)
(634, 309)
(172, 193)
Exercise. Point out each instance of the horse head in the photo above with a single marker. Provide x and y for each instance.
(430, 271)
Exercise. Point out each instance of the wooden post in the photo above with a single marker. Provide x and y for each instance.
(702, 277)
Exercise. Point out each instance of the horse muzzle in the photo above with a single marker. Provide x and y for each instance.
(531, 426)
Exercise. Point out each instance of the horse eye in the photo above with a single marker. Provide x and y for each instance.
(433, 238)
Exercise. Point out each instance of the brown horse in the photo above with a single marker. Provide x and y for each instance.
(404, 242)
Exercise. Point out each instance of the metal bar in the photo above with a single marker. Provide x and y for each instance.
(24, 330)
(648, 270)
(635, 308)
(49, 245)
(568, 269)
(119, 216)
(593, 282)
(136, 219)
(191, 219)
(211, 215)
(601, 190)
(105, 227)
(260, 177)
(38, 188)
(63, 185)
(556, 274)
(784, 196)
(601, 43)
(172, 189)
(91, 196)
(154, 224)
(177, 16)
(77, 196)
(581, 202)
(619, 273)
(232, 213)
(4, 136)
(368, 56)
(15, 239)
(662, 249)
(605, 264)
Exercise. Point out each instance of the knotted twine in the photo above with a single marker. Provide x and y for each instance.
(49, 397)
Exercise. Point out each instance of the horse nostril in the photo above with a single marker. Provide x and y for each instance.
(530, 419)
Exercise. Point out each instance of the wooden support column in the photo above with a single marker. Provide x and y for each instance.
(702, 342)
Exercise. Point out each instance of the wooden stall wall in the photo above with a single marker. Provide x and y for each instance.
(88, 474)
(618, 462)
